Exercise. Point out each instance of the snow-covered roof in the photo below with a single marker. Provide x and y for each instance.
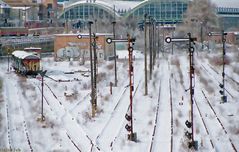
(119, 5)
(21, 8)
(226, 3)
(24, 55)
(32, 48)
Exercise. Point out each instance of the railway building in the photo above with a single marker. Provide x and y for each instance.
(70, 46)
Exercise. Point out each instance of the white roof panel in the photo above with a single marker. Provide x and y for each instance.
(226, 3)
(23, 54)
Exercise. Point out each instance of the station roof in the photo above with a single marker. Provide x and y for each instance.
(226, 3)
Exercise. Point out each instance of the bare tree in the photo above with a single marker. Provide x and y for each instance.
(200, 15)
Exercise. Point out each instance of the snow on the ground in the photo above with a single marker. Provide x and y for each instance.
(68, 124)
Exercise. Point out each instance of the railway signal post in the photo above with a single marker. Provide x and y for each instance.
(146, 23)
(129, 115)
(42, 73)
(92, 67)
(190, 40)
(8, 60)
(222, 85)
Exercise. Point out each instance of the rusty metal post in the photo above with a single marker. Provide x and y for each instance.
(94, 73)
(191, 65)
(91, 71)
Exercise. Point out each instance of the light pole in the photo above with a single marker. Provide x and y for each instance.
(190, 40)
(223, 37)
(42, 73)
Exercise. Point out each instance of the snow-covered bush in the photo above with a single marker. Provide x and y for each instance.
(110, 66)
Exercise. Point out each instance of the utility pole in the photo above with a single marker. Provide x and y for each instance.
(115, 57)
(95, 75)
(158, 40)
(192, 143)
(91, 73)
(192, 77)
(145, 54)
(42, 73)
(129, 115)
(222, 85)
(93, 64)
(8, 51)
(201, 33)
(154, 43)
(150, 48)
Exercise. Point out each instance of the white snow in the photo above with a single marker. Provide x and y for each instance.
(68, 124)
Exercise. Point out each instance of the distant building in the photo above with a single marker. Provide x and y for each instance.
(69, 46)
(163, 11)
(231, 38)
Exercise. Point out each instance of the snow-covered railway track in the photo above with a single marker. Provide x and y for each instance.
(219, 121)
(122, 126)
(230, 78)
(155, 121)
(16, 128)
(162, 136)
(203, 121)
(81, 142)
(80, 102)
(68, 136)
(116, 113)
(215, 79)
(8, 128)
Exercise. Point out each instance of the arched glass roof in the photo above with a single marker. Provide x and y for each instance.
(161, 10)
(85, 11)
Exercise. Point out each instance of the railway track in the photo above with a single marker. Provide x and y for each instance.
(74, 126)
(214, 113)
(166, 104)
(155, 121)
(13, 131)
(8, 128)
(219, 121)
(215, 79)
(230, 78)
(68, 136)
(203, 121)
(115, 138)
(171, 110)
(116, 113)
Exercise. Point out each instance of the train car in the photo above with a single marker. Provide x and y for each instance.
(13, 31)
(25, 63)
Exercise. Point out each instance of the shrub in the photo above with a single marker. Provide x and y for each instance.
(101, 76)
(110, 66)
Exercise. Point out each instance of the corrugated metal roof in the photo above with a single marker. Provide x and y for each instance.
(226, 3)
